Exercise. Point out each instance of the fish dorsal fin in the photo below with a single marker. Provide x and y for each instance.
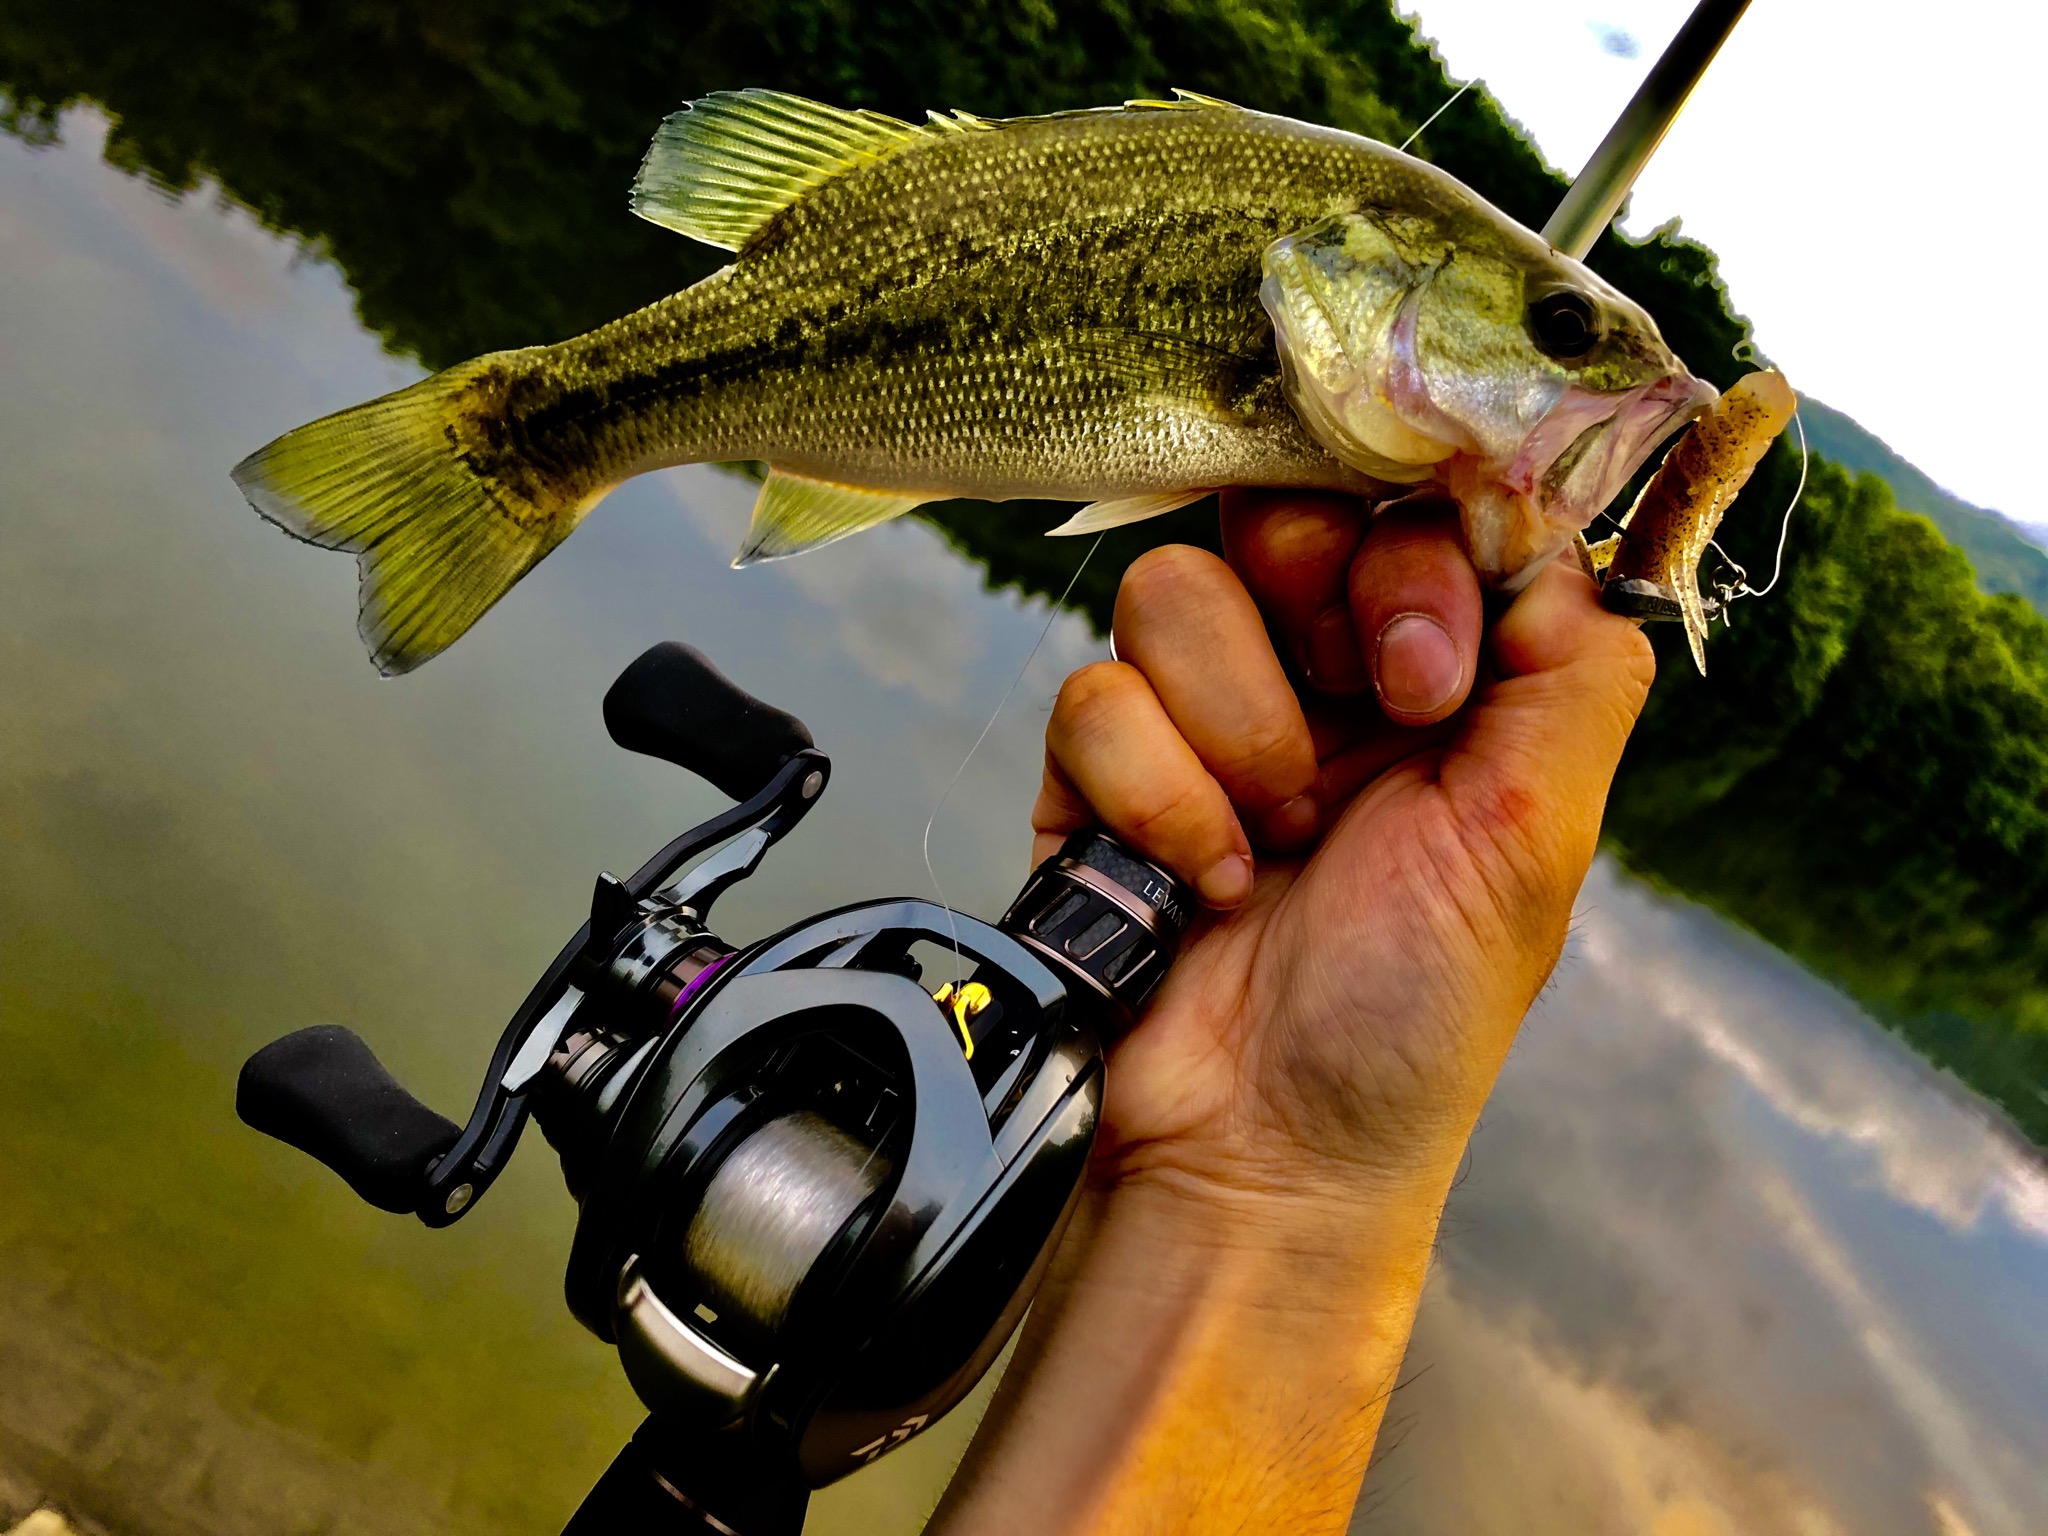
(795, 513)
(960, 120)
(725, 165)
(1183, 101)
(728, 163)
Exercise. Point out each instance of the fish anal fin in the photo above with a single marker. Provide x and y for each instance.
(723, 167)
(1100, 516)
(795, 513)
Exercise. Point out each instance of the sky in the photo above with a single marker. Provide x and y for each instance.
(1870, 174)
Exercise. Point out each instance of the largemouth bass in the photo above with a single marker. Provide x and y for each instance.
(1131, 306)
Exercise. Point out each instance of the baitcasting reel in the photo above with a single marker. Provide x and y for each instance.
(815, 1196)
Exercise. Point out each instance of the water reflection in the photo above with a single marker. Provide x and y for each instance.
(1726, 1258)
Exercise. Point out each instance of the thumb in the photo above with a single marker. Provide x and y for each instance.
(1532, 771)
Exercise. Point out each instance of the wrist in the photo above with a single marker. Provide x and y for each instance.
(1193, 1338)
(1295, 1241)
(1281, 1187)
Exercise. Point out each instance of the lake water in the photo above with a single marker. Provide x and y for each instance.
(1725, 1257)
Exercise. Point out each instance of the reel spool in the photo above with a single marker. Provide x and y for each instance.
(815, 1197)
(776, 1204)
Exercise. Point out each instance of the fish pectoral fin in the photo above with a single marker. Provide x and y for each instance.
(1173, 370)
(722, 168)
(1100, 516)
(795, 513)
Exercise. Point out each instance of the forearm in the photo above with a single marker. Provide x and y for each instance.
(1202, 1361)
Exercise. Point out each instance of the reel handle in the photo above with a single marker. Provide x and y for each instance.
(322, 1091)
(672, 703)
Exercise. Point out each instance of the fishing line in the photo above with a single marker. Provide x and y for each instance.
(1740, 587)
(1439, 112)
(1785, 527)
(1058, 607)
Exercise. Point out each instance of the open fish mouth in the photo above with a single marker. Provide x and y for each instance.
(1565, 472)
(1591, 468)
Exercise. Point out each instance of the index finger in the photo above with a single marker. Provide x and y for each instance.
(1293, 551)
(1185, 621)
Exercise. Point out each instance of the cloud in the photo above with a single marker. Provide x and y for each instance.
(897, 600)
(1751, 1009)
(1963, 1443)
(1776, 1254)
(1618, 41)
(1541, 1448)
(1815, 102)
(891, 599)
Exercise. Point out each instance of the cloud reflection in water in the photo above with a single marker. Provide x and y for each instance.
(1726, 1258)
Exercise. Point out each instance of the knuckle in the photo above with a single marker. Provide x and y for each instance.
(1535, 852)
(1271, 752)
(1167, 580)
(1169, 565)
(1163, 815)
(1092, 696)
(1059, 806)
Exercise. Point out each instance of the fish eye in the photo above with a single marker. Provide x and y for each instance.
(1564, 325)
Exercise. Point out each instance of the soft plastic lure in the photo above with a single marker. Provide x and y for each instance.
(1652, 569)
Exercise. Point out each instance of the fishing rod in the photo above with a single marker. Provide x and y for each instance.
(1589, 207)
(815, 1192)
(1601, 187)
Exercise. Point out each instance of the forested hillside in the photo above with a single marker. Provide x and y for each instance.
(2005, 558)
(1864, 777)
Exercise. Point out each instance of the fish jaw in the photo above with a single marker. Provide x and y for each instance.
(1368, 409)
(1518, 515)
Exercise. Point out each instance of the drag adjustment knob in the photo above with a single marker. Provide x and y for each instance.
(1104, 917)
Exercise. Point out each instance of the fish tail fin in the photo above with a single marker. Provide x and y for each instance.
(429, 492)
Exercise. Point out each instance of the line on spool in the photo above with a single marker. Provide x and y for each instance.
(772, 1209)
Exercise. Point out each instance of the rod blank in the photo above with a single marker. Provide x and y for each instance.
(1594, 199)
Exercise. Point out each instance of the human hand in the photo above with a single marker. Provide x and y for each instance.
(1214, 1345)
(1428, 804)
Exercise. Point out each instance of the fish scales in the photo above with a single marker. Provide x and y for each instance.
(904, 323)
(1134, 305)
